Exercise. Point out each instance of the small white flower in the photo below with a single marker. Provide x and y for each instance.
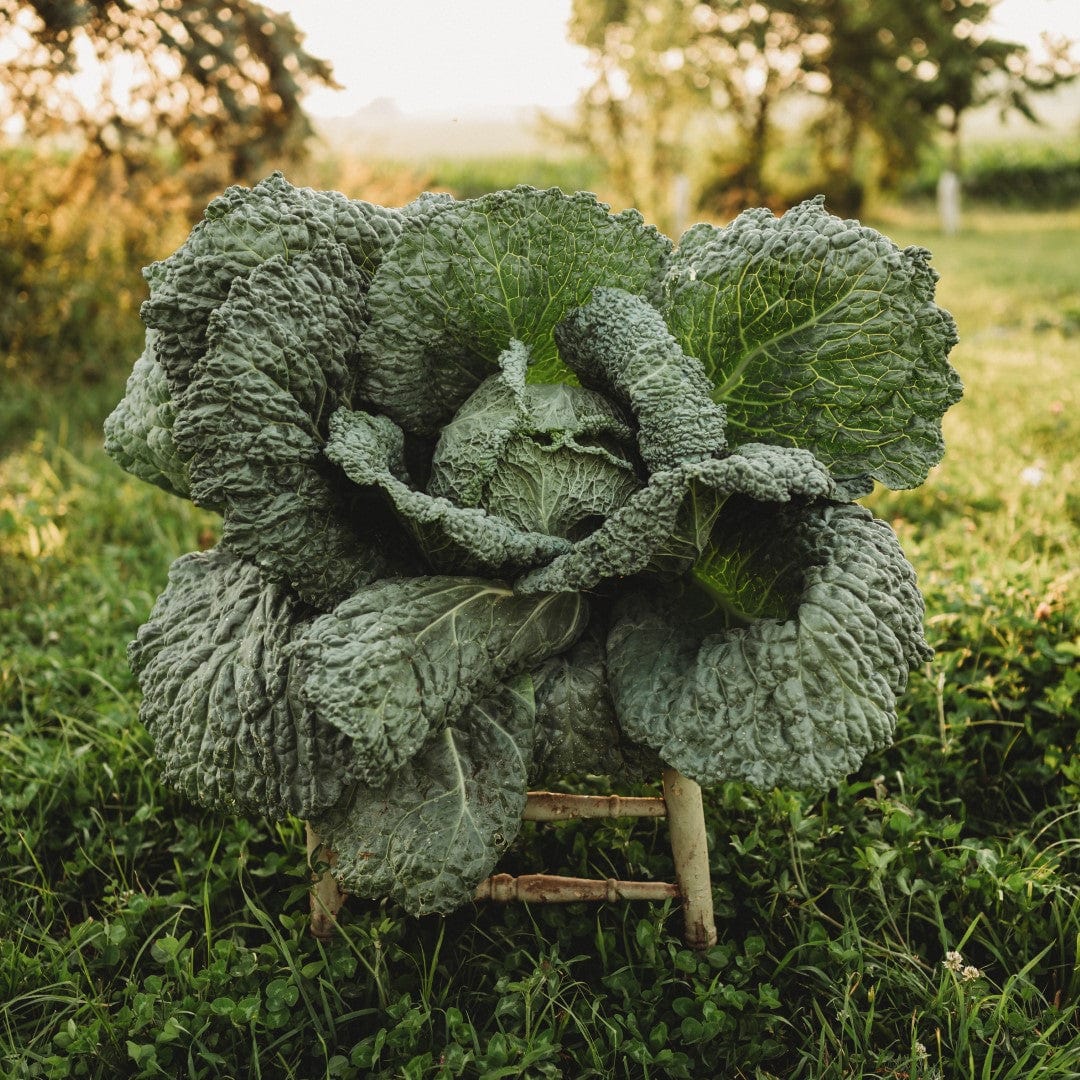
(921, 1052)
(953, 960)
(970, 973)
(1033, 475)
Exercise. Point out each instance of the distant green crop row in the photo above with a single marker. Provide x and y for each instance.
(1033, 175)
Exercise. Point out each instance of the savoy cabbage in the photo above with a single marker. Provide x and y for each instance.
(513, 488)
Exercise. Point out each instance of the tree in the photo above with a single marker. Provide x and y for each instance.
(889, 76)
(913, 70)
(154, 105)
(634, 115)
(219, 83)
(673, 76)
(752, 56)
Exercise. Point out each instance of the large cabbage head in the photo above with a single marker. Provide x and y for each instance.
(515, 488)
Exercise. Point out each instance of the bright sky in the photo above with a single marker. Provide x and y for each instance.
(433, 56)
(436, 56)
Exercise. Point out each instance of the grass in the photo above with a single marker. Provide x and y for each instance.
(142, 936)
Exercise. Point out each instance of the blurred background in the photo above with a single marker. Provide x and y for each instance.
(119, 121)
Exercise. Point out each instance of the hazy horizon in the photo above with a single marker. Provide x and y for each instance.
(483, 57)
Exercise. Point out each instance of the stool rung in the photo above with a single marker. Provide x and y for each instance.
(558, 806)
(552, 889)
(681, 805)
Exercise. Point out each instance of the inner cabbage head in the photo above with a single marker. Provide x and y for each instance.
(548, 458)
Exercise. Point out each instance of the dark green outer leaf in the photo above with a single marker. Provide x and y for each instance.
(138, 432)
(466, 278)
(253, 421)
(576, 729)
(652, 524)
(241, 229)
(619, 344)
(401, 659)
(797, 703)
(276, 366)
(211, 664)
(435, 830)
(819, 333)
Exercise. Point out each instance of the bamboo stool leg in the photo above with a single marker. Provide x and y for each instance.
(683, 808)
(690, 848)
(326, 896)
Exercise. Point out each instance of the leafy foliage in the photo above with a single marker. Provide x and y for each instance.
(219, 83)
(697, 90)
(369, 644)
(1020, 175)
(818, 668)
(761, 303)
(69, 262)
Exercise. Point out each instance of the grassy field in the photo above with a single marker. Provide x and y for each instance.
(921, 921)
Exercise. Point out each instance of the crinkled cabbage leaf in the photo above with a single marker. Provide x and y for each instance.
(618, 343)
(452, 537)
(241, 229)
(548, 457)
(435, 830)
(286, 333)
(791, 679)
(212, 662)
(467, 278)
(577, 731)
(818, 333)
(138, 432)
(659, 524)
(403, 658)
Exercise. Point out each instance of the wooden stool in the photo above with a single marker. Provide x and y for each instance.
(681, 804)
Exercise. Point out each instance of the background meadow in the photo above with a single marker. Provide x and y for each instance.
(141, 934)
